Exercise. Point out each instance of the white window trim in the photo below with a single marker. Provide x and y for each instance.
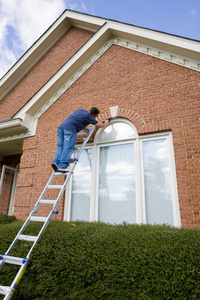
(117, 120)
(139, 180)
(13, 192)
(99, 146)
(175, 201)
(68, 191)
(14, 186)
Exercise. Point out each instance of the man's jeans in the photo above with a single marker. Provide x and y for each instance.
(65, 147)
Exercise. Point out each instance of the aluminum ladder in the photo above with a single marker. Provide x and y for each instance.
(23, 262)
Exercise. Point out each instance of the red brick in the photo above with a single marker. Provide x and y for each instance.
(153, 94)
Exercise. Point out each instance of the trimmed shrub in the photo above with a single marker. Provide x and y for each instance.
(99, 261)
(5, 219)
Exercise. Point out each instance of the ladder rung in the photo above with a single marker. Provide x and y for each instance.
(5, 258)
(13, 260)
(60, 173)
(29, 238)
(55, 186)
(38, 219)
(4, 290)
(48, 201)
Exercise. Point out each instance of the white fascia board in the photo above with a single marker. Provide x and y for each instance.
(12, 126)
(108, 30)
(66, 72)
(178, 45)
(84, 21)
(167, 42)
(30, 58)
(44, 43)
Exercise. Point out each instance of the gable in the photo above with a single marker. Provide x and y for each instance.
(43, 70)
(37, 106)
(169, 48)
(121, 76)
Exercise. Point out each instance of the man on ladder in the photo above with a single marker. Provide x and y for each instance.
(66, 135)
(66, 143)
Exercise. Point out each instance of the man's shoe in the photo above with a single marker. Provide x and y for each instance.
(54, 166)
(63, 170)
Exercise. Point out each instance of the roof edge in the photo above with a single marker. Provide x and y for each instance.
(72, 18)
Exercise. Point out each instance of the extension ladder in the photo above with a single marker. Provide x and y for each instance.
(23, 262)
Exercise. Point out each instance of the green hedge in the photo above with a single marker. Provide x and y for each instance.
(98, 261)
(5, 219)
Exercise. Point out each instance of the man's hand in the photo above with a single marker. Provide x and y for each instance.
(106, 122)
(103, 124)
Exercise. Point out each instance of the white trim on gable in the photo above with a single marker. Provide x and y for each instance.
(40, 109)
(163, 41)
(161, 54)
(31, 112)
(44, 43)
(180, 51)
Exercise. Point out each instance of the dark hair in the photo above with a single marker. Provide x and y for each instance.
(94, 111)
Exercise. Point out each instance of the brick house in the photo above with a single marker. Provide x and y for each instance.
(142, 168)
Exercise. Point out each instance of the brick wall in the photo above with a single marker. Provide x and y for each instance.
(155, 95)
(51, 62)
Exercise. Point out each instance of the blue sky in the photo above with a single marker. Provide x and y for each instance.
(23, 21)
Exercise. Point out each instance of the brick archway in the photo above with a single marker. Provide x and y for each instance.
(128, 114)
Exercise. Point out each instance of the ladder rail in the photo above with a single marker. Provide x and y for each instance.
(44, 191)
(24, 226)
(46, 223)
(8, 291)
(85, 141)
(28, 219)
(60, 194)
(16, 281)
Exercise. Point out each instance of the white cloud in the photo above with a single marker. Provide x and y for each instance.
(84, 7)
(161, 153)
(193, 11)
(22, 22)
(120, 170)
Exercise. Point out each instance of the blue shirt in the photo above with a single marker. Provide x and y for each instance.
(78, 120)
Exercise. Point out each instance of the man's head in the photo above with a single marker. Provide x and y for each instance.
(94, 111)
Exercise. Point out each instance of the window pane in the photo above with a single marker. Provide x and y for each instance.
(116, 132)
(81, 187)
(158, 194)
(117, 184)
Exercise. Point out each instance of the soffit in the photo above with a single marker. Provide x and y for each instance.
(12, 132)
(12, 126)
(11, 147)
(163, 41)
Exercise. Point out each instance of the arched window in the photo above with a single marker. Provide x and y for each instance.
(117, 131)
(123, 177)
(116, 173)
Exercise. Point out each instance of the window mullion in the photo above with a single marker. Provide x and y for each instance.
(142, 185)
(94, 185)
(68, 198)
(175, 200)
(138, 183)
